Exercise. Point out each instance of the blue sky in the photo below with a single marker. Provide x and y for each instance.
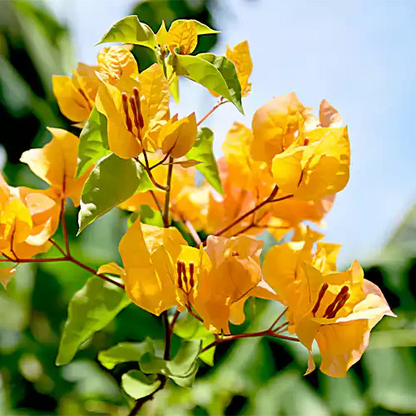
(359, 55)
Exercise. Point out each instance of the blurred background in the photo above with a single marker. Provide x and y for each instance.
(356, 54)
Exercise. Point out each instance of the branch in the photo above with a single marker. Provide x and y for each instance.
(192, 231)
(140, 402)
(65, 257)
(270, 199)
(267, 332)
(159, 207)
(219, 104)
(64, 229)
(149, 172)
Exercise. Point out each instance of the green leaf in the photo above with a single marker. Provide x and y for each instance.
(125, 352)
(93, 142)
(90, 310)
(229, 73)
(112, 181)
(187, 327)
(130, 30)
(202, 151)
(150, 216)
(182, 369)
(201, 29)
(200, 70)
(138, 385)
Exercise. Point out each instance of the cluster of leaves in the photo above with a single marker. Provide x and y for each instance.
(284, 171)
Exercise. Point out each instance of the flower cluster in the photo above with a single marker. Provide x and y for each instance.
(199, 252)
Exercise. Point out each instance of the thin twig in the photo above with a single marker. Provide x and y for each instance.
(163, 160)
(168, 335)
(149, 172)
(281, 328)
(174, 319)
(41, 260)
(166, 221)
(57, 246)
(189, 309)
(227, 338)
(278, 319)
(192, 231)
(140, 402)
(92, 271)
(252, 211)
(66, 257)
(159, 207)
(219, 104)
(63, 224)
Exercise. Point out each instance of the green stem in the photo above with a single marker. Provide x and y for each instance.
(166, 221)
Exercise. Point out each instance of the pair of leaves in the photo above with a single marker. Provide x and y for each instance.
(182, 369)
(217, 73)
(90, 310)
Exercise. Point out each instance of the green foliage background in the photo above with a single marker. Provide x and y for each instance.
(252, 376)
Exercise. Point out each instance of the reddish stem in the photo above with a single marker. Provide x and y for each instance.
(268, 200)
(64, 229)
(219, 104)
(267, 332)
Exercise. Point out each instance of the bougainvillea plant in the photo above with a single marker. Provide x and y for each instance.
(192, 249)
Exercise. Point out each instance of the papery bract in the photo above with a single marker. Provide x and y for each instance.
(115, 61)
(135, 111)
(56, 164)
(76, 95)
(337, 309)
(234, 277)
(240, 56)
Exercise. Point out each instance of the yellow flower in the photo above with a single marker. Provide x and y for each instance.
(315, 166)
(161, 269)
(28, 219)
(247, 182)
(178, 136)
(306, 161)
(115, 61)
(76, 95)
(275, 126)
(135, 111)
(240, 57)
(338, 310)
(244, 171)
(56, 164)
(182, 34)
(15, 223)
(235, 276)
